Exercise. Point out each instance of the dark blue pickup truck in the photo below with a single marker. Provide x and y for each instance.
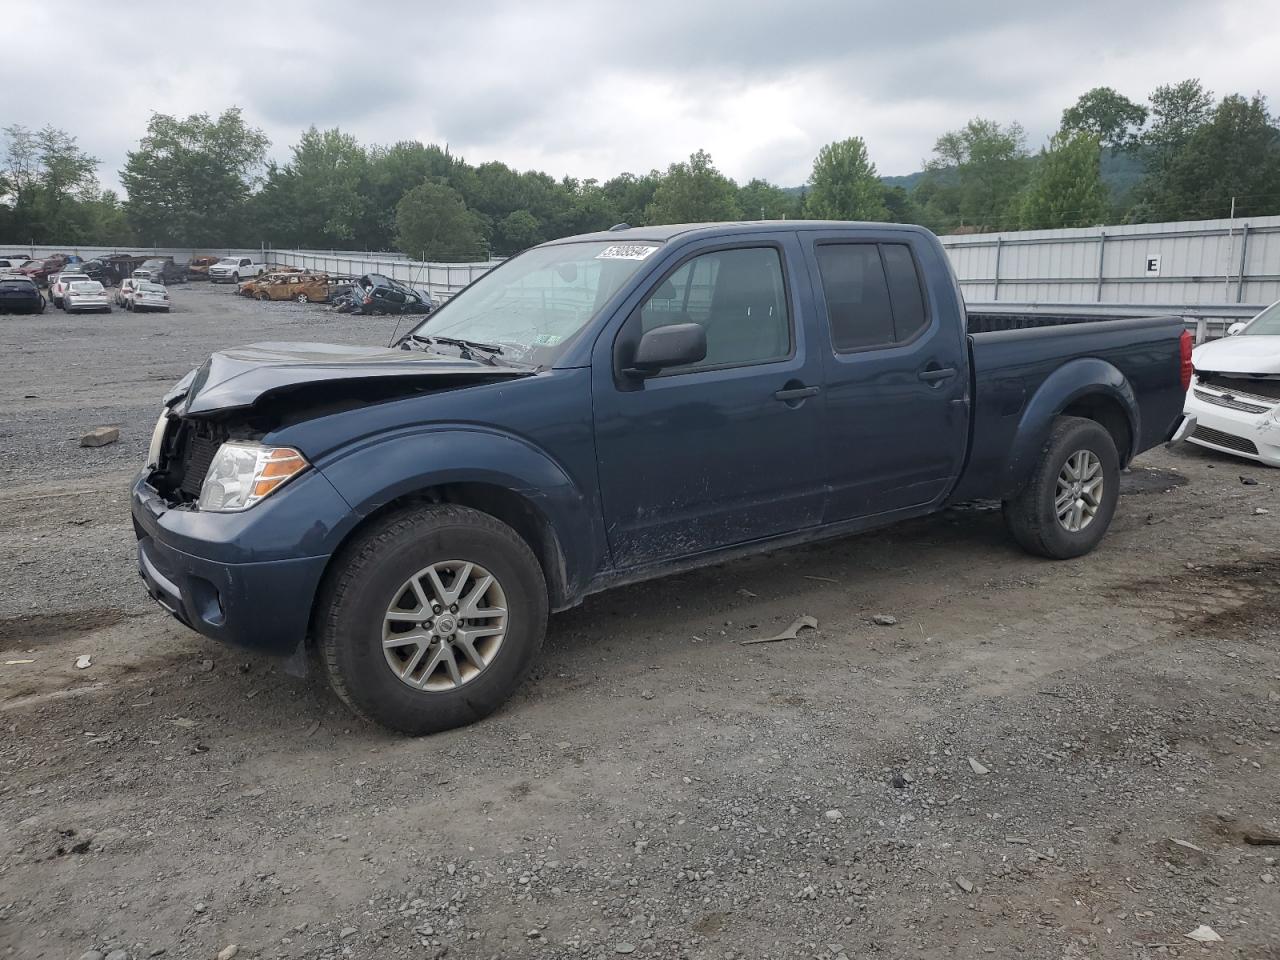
(613, 407)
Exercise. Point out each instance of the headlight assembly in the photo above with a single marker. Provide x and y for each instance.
(242, 473)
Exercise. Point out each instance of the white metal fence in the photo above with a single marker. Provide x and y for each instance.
(1189, 264)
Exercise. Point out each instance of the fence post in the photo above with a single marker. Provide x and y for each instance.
(995, 293)
(1102, 249)
(1202, 328)
(1244, 247)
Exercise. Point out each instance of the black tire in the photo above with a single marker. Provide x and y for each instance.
(362, 584)
(235, 278)
(1032, 517)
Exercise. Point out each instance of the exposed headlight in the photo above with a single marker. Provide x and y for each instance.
(157, 440)
(243, 473)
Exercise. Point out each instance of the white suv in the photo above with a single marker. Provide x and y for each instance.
(235, 269)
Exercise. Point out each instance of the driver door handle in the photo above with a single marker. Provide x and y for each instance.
(934, 374)
(787, 394)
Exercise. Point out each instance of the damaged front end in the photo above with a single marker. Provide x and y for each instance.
(247, 394)
(217, 546)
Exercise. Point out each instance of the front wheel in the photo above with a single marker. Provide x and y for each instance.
(432, 618)
(1067, 505)
(235, 278)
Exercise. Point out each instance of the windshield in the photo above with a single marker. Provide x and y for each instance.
(534, 304)
(1265, 324)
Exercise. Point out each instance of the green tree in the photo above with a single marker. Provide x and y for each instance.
(432, 221)
(976, 174)
(694, 192)
(1066, 188)
(393, 172)
(1177, 111)
(189, 180)
(1112, 118)
(900, 205)
(47, 179)
(1234, 153)
(844, 184)
(320, 197)
(762, 200)
(516, 231)
(629, 196)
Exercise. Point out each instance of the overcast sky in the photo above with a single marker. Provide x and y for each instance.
(593, 89)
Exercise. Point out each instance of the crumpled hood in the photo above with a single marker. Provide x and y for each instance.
(1242, 354)
(237, 378)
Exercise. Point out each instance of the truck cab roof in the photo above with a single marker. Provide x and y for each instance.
(670, 231)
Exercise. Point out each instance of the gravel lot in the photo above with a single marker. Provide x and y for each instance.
(1058, 760)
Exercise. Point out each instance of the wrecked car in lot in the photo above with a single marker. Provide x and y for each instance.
(198, 267)
(20, 295)
(86, 296)
(1233, 405)
(162, 270)
(302, 287)
(375, 293)
(610, 408)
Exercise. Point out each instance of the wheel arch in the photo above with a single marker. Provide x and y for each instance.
(518, 512)
(1088, 387)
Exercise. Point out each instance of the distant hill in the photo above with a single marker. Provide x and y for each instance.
(1121, 172)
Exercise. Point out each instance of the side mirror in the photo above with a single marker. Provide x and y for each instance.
(1235, 328)
(670, 346)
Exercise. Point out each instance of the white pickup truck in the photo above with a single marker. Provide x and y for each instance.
(235, 269)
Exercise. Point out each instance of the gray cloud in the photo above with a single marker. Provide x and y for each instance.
(589, 89)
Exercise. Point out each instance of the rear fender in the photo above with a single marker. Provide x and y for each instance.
(1085, 378)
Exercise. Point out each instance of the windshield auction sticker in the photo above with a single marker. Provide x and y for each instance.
(626, 251)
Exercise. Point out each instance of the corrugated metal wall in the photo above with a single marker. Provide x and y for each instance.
(1200, 262)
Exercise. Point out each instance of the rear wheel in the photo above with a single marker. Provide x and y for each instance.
(432, 618)
(1067, 505)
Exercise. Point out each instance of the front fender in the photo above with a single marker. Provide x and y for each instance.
(383, 468)
(1079, 379)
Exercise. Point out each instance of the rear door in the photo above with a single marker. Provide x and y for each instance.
(723, 451)
(896, 372)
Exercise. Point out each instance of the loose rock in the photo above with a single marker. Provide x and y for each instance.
(884, 620)
(229, 951)
(100, 437)
(978, 768)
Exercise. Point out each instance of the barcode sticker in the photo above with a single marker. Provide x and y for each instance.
(626, 251)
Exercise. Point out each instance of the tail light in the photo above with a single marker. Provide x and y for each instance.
(1185, 368)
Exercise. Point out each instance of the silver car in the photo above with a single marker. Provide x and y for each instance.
(83, 295)
(148, 296)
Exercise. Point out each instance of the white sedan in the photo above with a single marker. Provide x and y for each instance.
(1234, 402)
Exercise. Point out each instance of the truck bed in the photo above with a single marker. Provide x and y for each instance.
(1013, 357)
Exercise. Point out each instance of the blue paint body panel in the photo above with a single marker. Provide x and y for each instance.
(624, 479)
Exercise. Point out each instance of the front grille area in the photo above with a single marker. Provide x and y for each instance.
(1220, 439)
(1264, 389)
(1230, 401)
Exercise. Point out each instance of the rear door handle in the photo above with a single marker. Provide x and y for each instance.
(934, 374)
(788, 394)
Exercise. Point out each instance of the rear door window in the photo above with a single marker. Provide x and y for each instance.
(873, 293)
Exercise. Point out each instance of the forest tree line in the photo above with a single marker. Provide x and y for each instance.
(204, 181)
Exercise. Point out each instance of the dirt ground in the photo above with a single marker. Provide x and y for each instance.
(1038, 760)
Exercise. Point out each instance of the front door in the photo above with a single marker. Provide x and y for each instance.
(722, 451)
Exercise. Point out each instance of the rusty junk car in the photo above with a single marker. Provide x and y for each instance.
(302, 287)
